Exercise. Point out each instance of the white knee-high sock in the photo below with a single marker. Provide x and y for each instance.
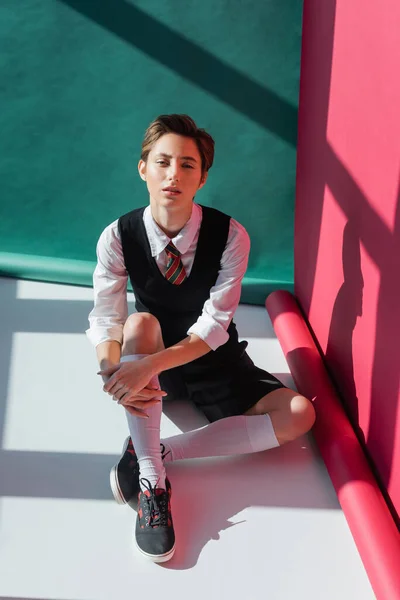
(145, 434)
(233, 435)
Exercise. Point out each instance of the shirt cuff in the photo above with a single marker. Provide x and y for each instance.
(212, 333)
(98, 335)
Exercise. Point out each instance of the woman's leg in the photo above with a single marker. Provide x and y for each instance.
(277, 418)
(141, 337)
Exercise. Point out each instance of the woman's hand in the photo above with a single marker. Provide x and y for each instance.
(136, 405)
(128, 383)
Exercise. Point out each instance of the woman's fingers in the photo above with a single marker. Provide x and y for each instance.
(139, 403)
(145, 397)
(115, 386)
(144, 394)
(150, 393)
(119, 394)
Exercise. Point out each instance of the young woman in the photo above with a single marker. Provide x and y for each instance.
(186, 263)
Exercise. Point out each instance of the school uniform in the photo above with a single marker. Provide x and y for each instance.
(213, 248)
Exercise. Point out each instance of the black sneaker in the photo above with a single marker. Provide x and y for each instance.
(155, 536)
(124, 476)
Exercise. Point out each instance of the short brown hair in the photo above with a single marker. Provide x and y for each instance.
(181, 125)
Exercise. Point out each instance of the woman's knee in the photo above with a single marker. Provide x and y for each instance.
(142, 334)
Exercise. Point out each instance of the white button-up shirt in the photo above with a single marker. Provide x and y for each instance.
(110, 279)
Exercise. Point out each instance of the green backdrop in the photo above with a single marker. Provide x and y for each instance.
(81, 80)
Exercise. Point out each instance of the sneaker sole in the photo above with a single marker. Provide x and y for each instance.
(157, 558)
(118, 496)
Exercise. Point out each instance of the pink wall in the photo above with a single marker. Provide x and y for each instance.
(347, 229)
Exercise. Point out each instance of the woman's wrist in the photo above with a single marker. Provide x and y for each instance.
(154, 363)
(108, 353)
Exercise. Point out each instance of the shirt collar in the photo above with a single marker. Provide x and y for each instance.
(158, 240)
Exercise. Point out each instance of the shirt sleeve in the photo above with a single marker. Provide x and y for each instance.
(224, 298)
(106, 320)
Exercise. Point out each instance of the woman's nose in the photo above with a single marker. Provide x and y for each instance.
(173, 172)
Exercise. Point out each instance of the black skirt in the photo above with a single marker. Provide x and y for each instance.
(220, 391)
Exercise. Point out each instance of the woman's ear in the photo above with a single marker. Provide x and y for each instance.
(142, 169)
(203, 179)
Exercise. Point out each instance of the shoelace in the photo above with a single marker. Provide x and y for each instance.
(156, 509)
(163, 453)
(130, 449)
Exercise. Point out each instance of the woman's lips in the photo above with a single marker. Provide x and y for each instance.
(171, 191)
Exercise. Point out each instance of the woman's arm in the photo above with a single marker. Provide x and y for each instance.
(108, 355)
(218, 310)
(181, 353)
(110, 309)
(136, 375)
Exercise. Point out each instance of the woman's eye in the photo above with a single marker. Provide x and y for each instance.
(164, 163)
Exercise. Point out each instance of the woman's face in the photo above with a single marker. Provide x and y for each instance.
(172, 172)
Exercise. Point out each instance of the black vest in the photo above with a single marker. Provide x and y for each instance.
(177, 307)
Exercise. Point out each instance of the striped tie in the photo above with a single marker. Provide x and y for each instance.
(175, 272)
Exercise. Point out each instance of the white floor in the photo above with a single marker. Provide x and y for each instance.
(258, 526)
